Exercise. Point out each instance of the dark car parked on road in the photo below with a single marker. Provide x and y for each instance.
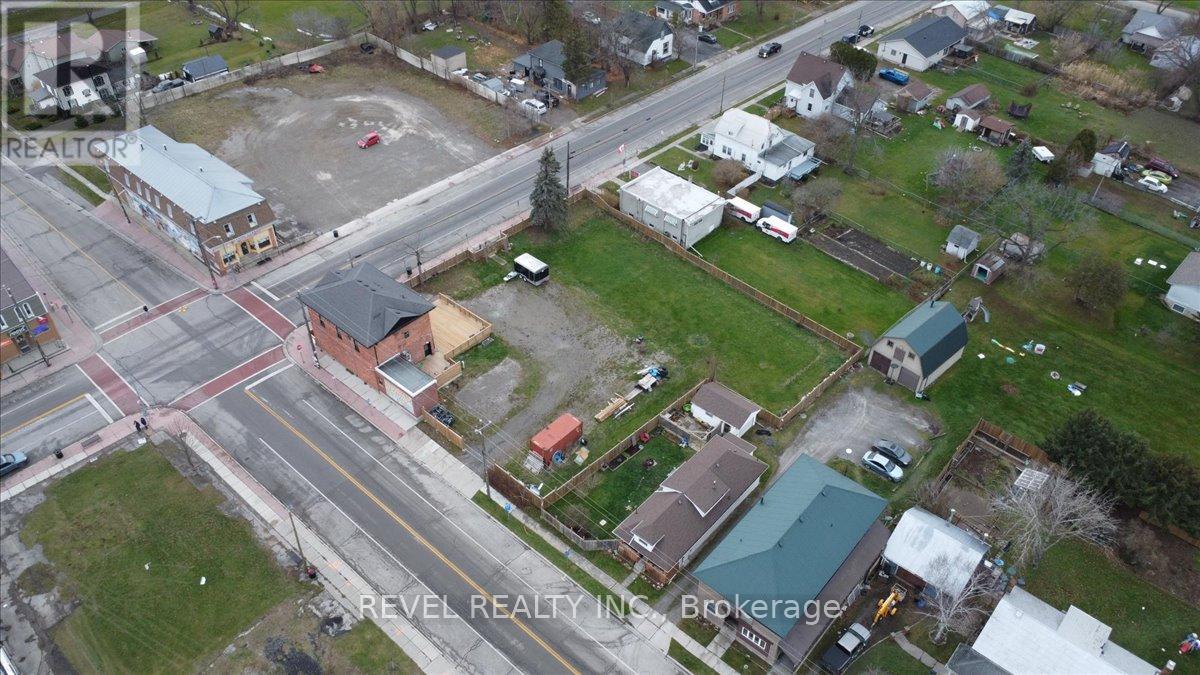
(769, 49)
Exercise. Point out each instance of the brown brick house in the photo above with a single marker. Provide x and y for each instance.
(378, 329)
(197, 201)
(683, 513)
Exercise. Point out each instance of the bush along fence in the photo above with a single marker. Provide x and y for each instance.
(147, 100)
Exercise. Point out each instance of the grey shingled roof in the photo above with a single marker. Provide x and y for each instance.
(692, 499)
(79, 70)
(1144, 18)
(205, 66)
(641, 29)
(793, 541)
(725, 403)
(365, 303)
(825, 74)
(195, 181)
(963, 237)
(972, 94)
(930, 34)
(934, 330)
(447, 51)
(791, 147)
(1188, 272)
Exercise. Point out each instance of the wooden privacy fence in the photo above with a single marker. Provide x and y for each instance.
(473, 340)
(446, 432)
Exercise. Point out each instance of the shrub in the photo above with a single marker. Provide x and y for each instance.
(99, 118)
(30, 125)
(81, 122)
(1030, 90)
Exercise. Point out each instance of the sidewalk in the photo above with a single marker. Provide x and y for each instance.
(919, 654)
(338, 577)
(78, 340)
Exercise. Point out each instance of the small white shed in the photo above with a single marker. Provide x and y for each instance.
(961, 242)
(724, 409)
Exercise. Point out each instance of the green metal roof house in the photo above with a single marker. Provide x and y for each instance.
(813, 537)
(921, 346)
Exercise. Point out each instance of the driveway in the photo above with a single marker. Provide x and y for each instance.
(1185, 189)
(691, 49)
(846, 425)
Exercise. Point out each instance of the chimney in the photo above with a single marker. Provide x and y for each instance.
(1167, 669)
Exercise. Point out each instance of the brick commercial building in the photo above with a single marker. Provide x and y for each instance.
(378, 329)
(196, 200)
(25, 324)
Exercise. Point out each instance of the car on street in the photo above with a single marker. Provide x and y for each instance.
(372, 138)
(1153, 185)
(12, 461)
(707, 38)
(880, 464)
(893, 451)
(1157, 175)
(850, 38)
(534, 105)
(166, 85)
(769, 49)
(851, 643)
(894, 75)
(866, 30)
(1160, 164)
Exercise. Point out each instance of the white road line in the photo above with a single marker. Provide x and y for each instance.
(102, 392)
(252, 316)
(122, 378)
(9, 408)
(483, 548)
(220, 375)
(104, 412)
(386, 552)
(108, 324)
(270, 375)
(262, 288)
(42, 435)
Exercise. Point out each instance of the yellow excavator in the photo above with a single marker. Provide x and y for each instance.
(889, 605)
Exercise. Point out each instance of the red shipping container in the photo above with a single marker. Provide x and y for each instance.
(559, 435)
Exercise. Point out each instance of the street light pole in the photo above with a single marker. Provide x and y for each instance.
(568, 168)
(483, 440)
(721, 108)
(203, 245)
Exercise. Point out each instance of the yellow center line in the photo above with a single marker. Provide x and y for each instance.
(49, 412)
(416, 535)
(72, 242)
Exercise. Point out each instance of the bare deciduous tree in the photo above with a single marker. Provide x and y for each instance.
(727, 173)
(1061, 509)
(1049, 216)
(1162, 6)
(954, 611)
(817, 195)
(1052, 13)
(233, 11)
(964, 180)
(861, 101)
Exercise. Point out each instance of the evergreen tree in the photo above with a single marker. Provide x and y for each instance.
(1020, 164)
(577, 55)
(549, 198)
(556, 20)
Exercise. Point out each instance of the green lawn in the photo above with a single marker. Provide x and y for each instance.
(367, 648)
(777, 15)
(641, 81)
(740, 659)
(728, 39)
(101, 526)
(872, 481)
(488, 54)
(560, 559)
(887, 657)
(619, 491)
(673, 159)
(700, 631)
(1145, 620)
(688, 660)
(93, 174)
(825, 289)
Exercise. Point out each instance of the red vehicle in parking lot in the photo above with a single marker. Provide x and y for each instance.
(370, 139)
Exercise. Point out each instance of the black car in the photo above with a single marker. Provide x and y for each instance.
(850, 38)
(708, 38)
(893, 451)
(769, 49)
(849, 645)
(866, 30)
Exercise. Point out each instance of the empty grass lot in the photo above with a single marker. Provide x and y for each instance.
(101, 526)
(688, 660)
(832, 293)
(1145, 620)
(641, 81)
(619, 491)
(888, 657)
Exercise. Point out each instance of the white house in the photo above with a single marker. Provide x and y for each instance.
(1109, 159)
(76, 84)
(970, 14)
(642, 38)
(1011, 20)
(813, 84)
(697, 12)
(724, 409)
(962, 241)
(923, 43)
(1148, 30)
(1025, 636)
(672, 205)
(1184, 296)
(931, 554)
(967, 120)
(762, 147)
(106, 47)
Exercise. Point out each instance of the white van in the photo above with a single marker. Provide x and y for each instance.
(534, 105)
(516, 84)
(743, 210)
(774, 226)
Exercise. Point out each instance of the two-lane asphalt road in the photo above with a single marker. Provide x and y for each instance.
(439, 222)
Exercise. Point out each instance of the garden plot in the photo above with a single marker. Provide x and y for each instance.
(863, 252)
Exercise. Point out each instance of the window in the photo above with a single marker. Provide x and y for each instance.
(753, 637)
(157, 202)
(428, 349)
(27, 309)
(339, 332)
(138, 188)
(67, 90)
(809, 107)
(126, 180)
(228, 229)
(170, 210)
(87, 92)
(228, 257)
(890, 344)
(250, 219)
(321, 321)
(265, 242)
(812, 92)
(405, 335)
(98, 81)
(355, 342)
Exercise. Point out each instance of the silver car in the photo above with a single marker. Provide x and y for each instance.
(883, 466)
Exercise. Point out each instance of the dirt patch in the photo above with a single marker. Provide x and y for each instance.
(493, 395)
(295, 135)
(583, 361)
(854, 418)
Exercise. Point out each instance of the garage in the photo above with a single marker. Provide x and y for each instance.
(921, 346)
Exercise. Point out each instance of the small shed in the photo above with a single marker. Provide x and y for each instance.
(914, 96)
(448, 58)
(967, 120)
(552, 442)
(968, 98)
(989, 268)
(931, 554)
(962, 241)
(724, 409)
(995, 130)
(531, 269)
(204, 68)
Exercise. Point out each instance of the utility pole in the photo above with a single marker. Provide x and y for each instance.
(568, 169)
(296, 535)
(721, 108)
(486, 465)
(203, 245)
(25, 325)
